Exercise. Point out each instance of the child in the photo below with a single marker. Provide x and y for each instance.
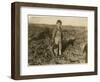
(57, 38)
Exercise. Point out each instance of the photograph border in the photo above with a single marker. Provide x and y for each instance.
(15, 39)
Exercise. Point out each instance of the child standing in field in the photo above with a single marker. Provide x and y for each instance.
(57, 38)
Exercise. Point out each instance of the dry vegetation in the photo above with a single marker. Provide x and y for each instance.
(39, 39)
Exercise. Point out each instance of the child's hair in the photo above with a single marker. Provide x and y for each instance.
(59, 21)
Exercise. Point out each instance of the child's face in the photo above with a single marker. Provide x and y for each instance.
(59, 24)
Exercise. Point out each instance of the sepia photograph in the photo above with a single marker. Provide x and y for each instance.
(53, 40)
(57, 40)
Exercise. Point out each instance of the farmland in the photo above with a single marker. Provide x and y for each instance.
(39, 48)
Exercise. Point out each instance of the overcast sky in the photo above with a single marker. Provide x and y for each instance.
(75, 21)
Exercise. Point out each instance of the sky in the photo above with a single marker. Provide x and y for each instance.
(74, 21)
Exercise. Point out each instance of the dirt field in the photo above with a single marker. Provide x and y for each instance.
(74, 45)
